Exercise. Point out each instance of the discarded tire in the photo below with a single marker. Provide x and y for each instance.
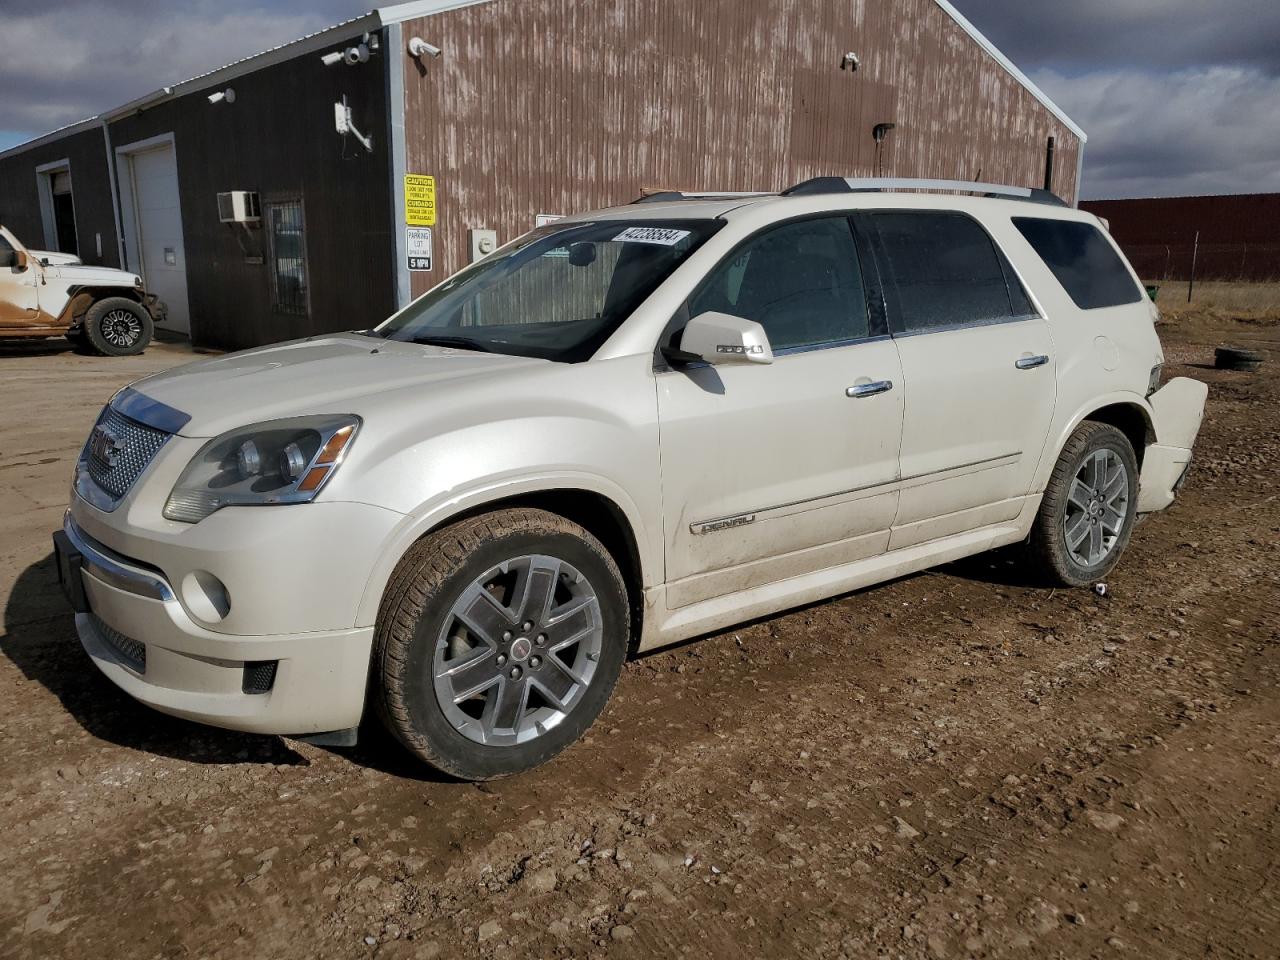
(1236, 358)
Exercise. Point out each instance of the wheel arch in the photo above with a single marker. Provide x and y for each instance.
(1127, 412)
(80, 299)
(604, 515)
(1131, 419)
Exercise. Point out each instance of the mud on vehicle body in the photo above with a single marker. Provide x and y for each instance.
(98, 308)
(621, 430)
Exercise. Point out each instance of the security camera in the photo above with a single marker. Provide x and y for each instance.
(419, 47)
(228, 95)
(357, 54)
(332, 59)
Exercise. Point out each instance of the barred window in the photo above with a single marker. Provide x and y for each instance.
(288, 256)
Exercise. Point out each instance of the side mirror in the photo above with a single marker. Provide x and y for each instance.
(20, 259)
(722, 338)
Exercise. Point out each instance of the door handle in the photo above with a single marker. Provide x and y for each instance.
(1030, 363)
(869, 389)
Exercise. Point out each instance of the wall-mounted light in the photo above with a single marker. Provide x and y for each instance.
(420, 48)
(223, 96)
(346, 126)
(881, 130)
(850, 61)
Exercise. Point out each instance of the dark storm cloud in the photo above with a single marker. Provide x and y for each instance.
(64, 60)
(1162, 35)
(1177, 97)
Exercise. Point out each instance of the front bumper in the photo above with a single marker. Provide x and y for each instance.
(155, 306)
(139, 635)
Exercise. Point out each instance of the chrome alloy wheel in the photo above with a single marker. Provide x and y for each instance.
(120, 328)
(1097, 507)
(518, 650)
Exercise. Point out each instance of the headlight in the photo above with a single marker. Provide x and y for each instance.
(280, 461)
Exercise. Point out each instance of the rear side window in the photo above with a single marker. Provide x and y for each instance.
(1086, 265)
(946, 271)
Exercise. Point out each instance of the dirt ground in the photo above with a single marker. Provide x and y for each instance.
(954, 764)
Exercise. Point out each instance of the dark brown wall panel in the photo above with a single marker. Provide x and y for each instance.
(278, 139)
(558, 106)
(90, 192)
(1239, 235)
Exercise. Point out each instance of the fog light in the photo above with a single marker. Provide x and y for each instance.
(205, 596)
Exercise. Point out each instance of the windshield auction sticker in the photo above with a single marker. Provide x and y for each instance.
(664, 236)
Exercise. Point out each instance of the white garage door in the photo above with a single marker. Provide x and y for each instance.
(157, 251)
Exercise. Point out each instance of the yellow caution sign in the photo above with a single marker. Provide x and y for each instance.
(419, 200)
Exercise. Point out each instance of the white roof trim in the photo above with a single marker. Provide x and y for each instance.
(1009, 65)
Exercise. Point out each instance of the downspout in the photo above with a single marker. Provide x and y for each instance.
(115, 194)
(394, 46)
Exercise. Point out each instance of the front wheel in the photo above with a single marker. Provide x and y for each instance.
(1089, 506)
(118, 327)
(498, 642)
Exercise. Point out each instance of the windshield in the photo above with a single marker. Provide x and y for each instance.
(557, 293)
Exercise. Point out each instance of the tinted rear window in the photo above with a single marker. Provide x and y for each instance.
(1086, 265)
(946, 271)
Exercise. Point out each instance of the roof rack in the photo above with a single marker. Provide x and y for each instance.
(820, 185)
(666, 196)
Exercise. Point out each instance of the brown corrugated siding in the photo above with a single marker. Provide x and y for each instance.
(90, 193)
(1239, 235)
(558, 106)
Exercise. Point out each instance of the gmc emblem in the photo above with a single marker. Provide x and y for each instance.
(105, 446)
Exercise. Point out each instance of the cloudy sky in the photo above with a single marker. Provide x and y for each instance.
(1177, 96)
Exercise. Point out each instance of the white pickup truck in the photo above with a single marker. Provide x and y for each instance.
(45, 294)
(621, 430)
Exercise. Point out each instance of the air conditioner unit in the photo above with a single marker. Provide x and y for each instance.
(239, 206)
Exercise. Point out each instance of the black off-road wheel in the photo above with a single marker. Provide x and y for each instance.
(1090, 503)
(118, 327)
(498, 642)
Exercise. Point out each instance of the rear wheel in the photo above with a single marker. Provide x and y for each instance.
(1089, 506)
(499, 642)
(118, 327)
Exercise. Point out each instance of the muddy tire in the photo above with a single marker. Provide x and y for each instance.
(1090, 503)
(117, 327)
(498, 642)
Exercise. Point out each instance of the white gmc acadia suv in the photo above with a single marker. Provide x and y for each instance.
(621, 430)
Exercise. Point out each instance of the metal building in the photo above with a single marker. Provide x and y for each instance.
(1233, 237)
(319, 185)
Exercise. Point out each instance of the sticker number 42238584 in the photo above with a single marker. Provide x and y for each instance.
(665, 236)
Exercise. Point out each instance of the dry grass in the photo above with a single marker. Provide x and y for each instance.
(1243, 301)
